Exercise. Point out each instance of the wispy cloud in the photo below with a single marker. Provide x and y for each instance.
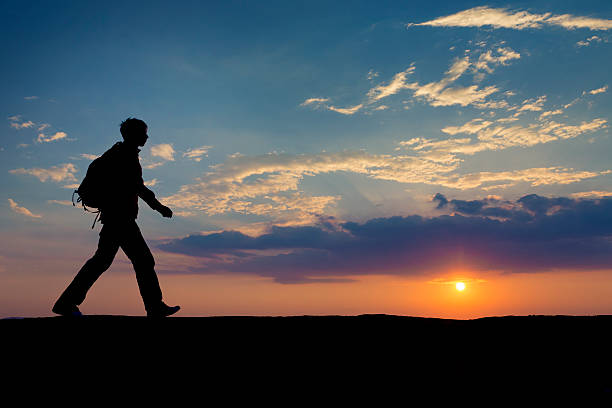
(444, 93)
(462, 96)
(346, 111)
(533, 104)
(22, 210)
(591, 194)
(438, 93)
(588, 41)
(236, 184)
(518, 20)
(372, 74)
(261, 184)
(551, 113)
(197, 152)
(63, 172)
(164, 151)
(599, 90)
(321, 103)
(151, 183)
(488, 59)
(61, 202)
(534, 176)
(42, 138)
(394, 86)
(16, 124)
(30, 98)
(152, 165)
(89, 156)
(314, 101)
(498, 137)
(470, 127)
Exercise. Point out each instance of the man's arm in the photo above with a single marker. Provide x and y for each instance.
(148, 197)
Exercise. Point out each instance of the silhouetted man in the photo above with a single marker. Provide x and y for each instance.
(118, 216)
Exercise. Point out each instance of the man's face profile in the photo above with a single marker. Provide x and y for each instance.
(140, 136)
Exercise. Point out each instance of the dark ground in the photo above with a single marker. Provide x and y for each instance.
(335, 359)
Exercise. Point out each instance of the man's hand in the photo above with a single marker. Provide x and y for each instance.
(165, 211)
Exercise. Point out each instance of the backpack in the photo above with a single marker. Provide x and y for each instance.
(93, 190)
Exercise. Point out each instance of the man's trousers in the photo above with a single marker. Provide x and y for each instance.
(116, 234)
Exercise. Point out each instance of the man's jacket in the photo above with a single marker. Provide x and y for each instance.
(124, 184)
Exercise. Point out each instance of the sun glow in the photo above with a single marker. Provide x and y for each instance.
(460, 286)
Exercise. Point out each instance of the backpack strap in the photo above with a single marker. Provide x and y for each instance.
(85, 208)
(95, 219)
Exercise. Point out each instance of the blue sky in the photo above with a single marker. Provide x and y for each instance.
(292, 114)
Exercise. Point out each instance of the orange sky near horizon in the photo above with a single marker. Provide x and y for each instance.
(51, 265)
(116, 292)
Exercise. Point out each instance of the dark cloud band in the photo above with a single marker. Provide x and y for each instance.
(532, 234)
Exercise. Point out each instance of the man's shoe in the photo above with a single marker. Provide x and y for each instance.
(162, 310)
(66, 310)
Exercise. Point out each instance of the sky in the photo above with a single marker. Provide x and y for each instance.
(320, 157)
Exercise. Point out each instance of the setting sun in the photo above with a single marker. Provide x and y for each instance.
(460, 286)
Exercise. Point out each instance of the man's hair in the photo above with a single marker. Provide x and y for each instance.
(131, 125)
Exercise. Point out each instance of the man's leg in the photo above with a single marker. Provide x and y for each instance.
(108, 245)
(136, 249)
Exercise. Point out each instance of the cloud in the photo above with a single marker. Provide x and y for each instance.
(151, 183)
(43, 126)
(487, 59)
(532, 234)
(599, 90)
(507, 119)
(263, 185)
(150, 166)
(164, 150)
(470, 127)
(518, 20)
(562, 131)
(491, 105)
(22, 210)
(550, 113)
(42, 138)
(594, 193)
(314, 101)
(588, 41)
(499, 137)
(235, 184)
(30, 98)
(438, 93)
(89, 156)
(197, 152)
(346, 111)
(534, 176)
(394, 86)
(23, 125)
(462, 96)
(63, 172)
(61, 202)
(572, 22)
(533, 104)
(372, 74)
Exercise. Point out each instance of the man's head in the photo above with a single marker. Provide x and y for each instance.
(134, 131)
